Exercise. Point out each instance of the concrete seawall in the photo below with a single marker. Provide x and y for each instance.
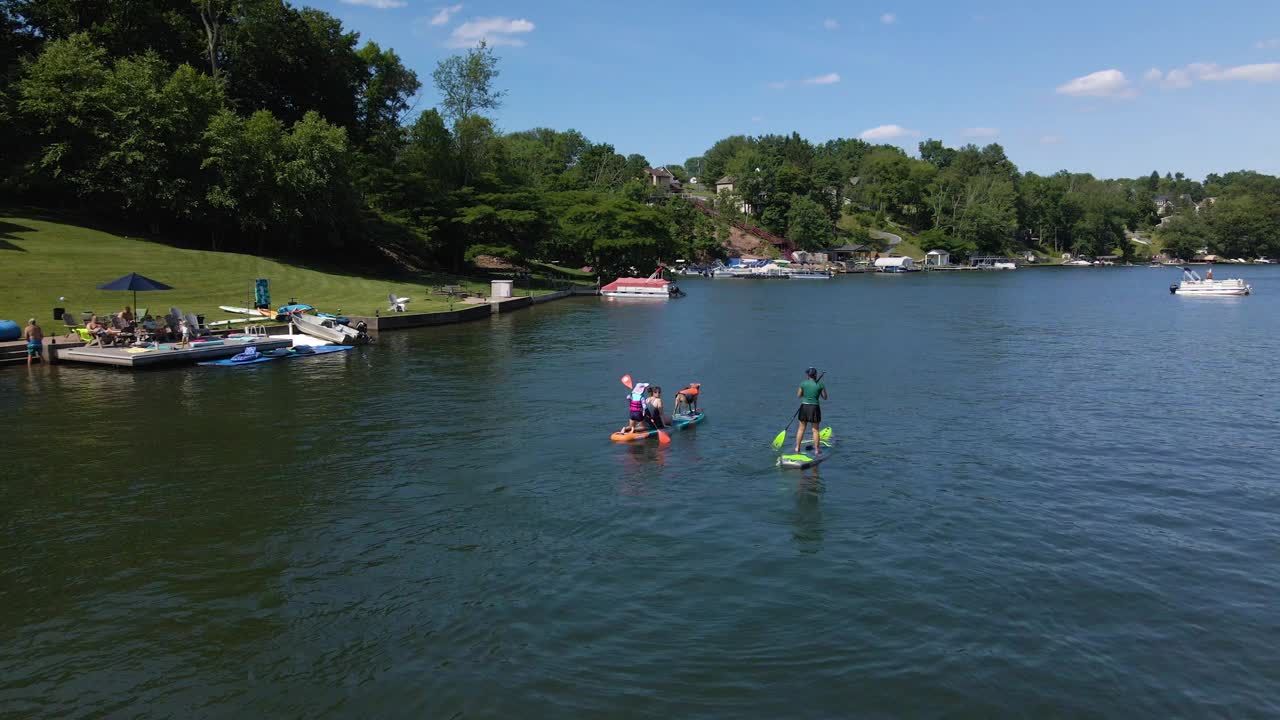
(479, 311)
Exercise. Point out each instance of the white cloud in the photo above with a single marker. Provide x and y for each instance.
(980, 132)
(1256, 73)
(1154, 75)
(1050, 139)
(828, 79)
(830, 24)
(887, 132)
(495, 31)
(888, 18)
(442, 17)
(378, 4)
(1176, 78)
(1211, 72)
(1267, 44)
(1104, 83)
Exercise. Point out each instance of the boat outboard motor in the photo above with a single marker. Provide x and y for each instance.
(362, 329)
(1173, 289)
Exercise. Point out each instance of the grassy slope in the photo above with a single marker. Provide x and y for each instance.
(42, 260)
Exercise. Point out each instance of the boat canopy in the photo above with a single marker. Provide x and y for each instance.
(634, 282)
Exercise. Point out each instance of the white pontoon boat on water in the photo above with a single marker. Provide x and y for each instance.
(1192, 284)
(329, 329)
(653, 287)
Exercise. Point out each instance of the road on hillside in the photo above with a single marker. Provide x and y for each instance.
(882, 235)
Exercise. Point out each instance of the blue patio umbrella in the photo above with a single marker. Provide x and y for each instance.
(135, 282)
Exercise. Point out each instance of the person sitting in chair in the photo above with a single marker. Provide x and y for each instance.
(99, 331)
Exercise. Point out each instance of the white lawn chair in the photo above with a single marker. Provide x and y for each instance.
(396, 304)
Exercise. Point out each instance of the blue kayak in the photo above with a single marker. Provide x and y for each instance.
(684, 420)
(281, 354)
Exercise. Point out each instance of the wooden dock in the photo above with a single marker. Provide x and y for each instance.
(166, 354)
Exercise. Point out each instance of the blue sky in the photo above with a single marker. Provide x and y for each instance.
(1114, 88)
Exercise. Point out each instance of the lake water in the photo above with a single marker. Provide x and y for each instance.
(1054, 494)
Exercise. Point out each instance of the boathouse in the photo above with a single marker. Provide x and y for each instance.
(895, 264)
(937, 258)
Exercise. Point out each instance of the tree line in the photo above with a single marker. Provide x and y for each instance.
(975, 200)
(258, 126)
(254, 125)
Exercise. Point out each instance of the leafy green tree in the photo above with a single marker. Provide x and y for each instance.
(1184, 237)
(540, 157)
(466, 83)
(695, 167)
(519, 220)
(316, 183)
(290, 62)
(62, 99)
(808, 224)
(1244, 224)
(715, 161)
(384, 101)
(168, 28)
(478, 148)
(245, 156)
(936, 154)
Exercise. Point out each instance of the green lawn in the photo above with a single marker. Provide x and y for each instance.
(42, 260)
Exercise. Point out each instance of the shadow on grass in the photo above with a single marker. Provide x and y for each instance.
(7, 230)
(332, 261)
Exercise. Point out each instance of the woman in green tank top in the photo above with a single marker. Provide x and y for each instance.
(811, 393)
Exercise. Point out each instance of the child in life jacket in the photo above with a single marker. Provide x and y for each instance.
(636, 406)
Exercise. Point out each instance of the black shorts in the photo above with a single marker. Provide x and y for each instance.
(638, 415)
(810, 413)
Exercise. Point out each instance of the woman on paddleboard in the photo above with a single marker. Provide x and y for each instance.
(811, 394)
(653, 408)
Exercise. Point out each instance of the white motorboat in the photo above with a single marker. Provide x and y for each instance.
(1078, 263)
(1193, 285)
(653, 287)
(1004, 265)
(328, 329)
(810, 275)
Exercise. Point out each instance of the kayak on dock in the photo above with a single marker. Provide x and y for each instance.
(281, 354)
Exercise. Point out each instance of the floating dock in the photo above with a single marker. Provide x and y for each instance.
(167, 354)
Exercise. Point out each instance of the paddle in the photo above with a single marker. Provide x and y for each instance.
(663, 438)
(782, 436)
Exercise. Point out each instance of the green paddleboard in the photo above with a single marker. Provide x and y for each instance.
(804, 459)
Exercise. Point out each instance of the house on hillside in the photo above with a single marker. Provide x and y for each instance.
(1206, 203)
(849, 253)
(1164, 205)
(937, 258)
(660, 178)
(725, 184)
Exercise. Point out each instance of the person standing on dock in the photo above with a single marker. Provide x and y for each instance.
(35, 339)
(811, 393)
